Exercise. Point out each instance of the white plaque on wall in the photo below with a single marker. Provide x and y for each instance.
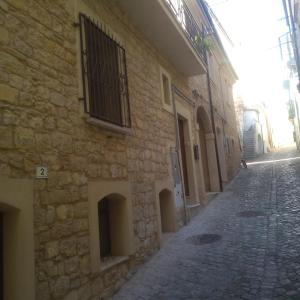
(41, 172)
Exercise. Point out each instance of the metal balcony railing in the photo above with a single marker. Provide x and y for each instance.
(189, 26)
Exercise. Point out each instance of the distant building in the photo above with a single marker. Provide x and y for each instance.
(292, 14)
(256, 132)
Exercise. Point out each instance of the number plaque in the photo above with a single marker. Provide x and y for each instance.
(41, 172)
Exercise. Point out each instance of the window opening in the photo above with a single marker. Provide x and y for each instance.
(104, 228)
(166, 89)
(104, 73)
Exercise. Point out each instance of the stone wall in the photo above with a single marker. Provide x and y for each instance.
(41, 123)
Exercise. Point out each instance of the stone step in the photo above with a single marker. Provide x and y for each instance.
(211, 195)
(193, 209)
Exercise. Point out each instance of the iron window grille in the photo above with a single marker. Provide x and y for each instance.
(104, 74)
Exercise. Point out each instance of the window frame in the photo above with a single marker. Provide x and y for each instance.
(166, 106)
(97, 191)
(91, 86)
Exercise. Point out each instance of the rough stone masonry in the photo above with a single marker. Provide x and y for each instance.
(42, 123)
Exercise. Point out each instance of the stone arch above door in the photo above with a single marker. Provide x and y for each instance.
(204, 119)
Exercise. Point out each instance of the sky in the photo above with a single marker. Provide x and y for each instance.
(254, 27)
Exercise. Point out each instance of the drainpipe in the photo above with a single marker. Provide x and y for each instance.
(288, 11)
(213, 121)
(177, 150)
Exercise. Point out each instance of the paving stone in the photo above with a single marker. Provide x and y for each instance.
(256, 258)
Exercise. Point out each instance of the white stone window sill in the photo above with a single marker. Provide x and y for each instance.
(168, 108)
(108, 126)
(112, 261)
(193, 205)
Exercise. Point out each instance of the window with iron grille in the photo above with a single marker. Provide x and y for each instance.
(104, 74)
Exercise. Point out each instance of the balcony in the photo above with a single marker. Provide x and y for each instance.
(171, 28)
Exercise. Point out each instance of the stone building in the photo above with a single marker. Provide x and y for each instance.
(292, 60)
(256, 132)
(108, 139)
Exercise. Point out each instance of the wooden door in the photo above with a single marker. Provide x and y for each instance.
(183, 156)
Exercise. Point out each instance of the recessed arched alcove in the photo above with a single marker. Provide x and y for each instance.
(167, 211)
(113, 221)
(110, 223)
(16, 239)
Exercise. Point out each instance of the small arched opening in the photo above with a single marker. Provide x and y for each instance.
(17, 239)
(167, 211)
(113, 224)
(9, 248)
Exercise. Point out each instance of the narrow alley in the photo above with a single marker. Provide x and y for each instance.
(244, 245)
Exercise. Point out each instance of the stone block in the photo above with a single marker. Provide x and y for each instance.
(22, 47)
(5, 170)
(43, 142)
(85, 266)
(73, 295)
(43, 291)
(55, 197)
(52, 249)
(78, 163)
(60, 230)
(79, 179)
(51, 268)
(84, 292)
(61, 286)
(10, 118)
(97, 286)
(4, 36)
(7, 138)
(81, 210)
(65, 211)
(80, 225)
(49, 123)
(62, 142)
(72, 265)
(68, 247)
(24, 138)
(8, 94)
(19, 4)
(50, 215)
(83, 245)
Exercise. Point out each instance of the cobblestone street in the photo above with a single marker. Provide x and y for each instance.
(255, 250)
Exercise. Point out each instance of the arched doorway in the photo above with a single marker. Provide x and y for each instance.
(12, 251)
(113, 221)
(204, 129)
(17, 238)
(221, 151)
(167, 211)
